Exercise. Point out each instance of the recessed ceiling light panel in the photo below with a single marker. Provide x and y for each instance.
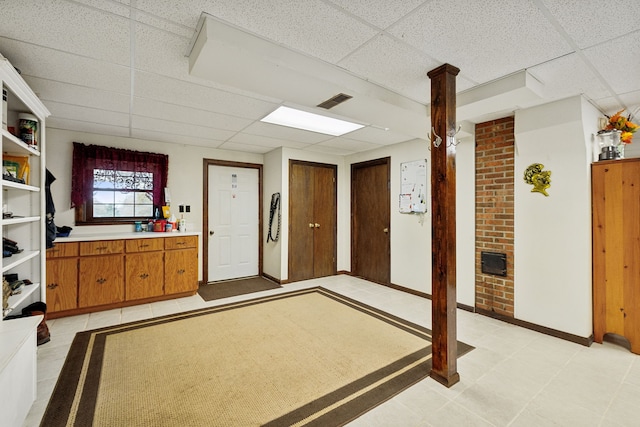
(286, 116)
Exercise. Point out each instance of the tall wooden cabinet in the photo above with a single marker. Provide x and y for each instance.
(26, 202)
(616, 249)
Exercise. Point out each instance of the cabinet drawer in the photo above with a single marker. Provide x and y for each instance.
(101, 247)
(145, 245)
(181, 242)
(63, 250)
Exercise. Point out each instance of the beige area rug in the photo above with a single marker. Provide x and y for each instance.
(231, 288)
(310, 357)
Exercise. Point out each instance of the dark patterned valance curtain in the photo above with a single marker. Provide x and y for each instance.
(86, 158)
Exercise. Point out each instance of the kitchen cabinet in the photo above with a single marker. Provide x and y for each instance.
(181, 264)
(62, 277)
(94, 275)
(144, 268)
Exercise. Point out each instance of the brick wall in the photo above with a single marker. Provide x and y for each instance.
(495, 158)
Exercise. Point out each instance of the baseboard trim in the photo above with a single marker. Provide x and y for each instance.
(538, 328)
(273, 279)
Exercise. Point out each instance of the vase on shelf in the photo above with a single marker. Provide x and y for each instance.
(611, 147)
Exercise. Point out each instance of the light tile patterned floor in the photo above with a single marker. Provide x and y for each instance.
(514, 377)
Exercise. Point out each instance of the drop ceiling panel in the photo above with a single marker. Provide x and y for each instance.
(86, 114)
(178, 113)
(168, 25)
(179, 128)
(590, 22)
(567, 76)
(234, 146)
(379, 136)
(172, 138)
(188, 94)
(380, 13)
(64, 67)
(264, 141)
(69, 26)
(621, 71)
(54, 122)
(348, 145)
(118, 7)
(402, 69)
(287, 133)
(485, 39)
(48, 90)
(149, 41)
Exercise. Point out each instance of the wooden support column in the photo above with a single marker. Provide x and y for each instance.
(443, 224)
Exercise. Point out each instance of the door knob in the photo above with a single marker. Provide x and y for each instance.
(386, 230)
(311, 225)
(317, 225)
(211, 233)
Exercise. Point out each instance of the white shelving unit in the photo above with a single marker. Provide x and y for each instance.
(26, 226)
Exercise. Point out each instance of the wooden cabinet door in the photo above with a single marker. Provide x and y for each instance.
(101, 280)
(144, 275)
(62, 284)
(180, 271)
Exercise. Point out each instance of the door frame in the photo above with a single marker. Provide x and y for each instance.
(205, 210)
(375, 162)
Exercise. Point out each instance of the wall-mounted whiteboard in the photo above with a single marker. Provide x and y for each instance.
(413, 190)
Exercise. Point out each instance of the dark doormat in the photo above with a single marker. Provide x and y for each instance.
(231, 288)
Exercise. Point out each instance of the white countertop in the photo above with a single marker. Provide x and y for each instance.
(13, 334)
(118, 236)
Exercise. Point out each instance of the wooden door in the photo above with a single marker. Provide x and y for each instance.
(312, 220)
(145, 275)
(370, 220)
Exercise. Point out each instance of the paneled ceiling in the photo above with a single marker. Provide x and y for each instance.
(122, 67)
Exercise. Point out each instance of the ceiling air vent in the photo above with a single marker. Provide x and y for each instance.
(335, 100)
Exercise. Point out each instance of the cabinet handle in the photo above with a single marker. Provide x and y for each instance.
(101, 280)
(52, 285)
(181, 243)
(144, 275)
(144, 246)
(181, 271)
(101, 248)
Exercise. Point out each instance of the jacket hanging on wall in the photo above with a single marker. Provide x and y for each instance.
(50, 210)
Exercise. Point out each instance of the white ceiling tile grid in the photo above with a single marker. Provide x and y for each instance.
(121, 67)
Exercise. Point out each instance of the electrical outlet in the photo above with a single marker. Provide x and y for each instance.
(181, 208)
(187, 208)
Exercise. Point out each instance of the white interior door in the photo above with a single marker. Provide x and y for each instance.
(233, 222)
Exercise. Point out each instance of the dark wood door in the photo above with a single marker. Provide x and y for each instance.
(370, 220)
(312, 220)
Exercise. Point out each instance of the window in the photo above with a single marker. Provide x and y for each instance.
(112, 185)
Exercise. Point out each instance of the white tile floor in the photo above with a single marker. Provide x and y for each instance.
(514, 377)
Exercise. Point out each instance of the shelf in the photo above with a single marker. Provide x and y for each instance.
(16, 300)
(18, 147)
(20, 220)
(19, 186)
(17, 259)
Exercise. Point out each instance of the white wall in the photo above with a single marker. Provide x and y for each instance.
(272, 183)
(184, 181)
(411, 233)
(553, 234)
